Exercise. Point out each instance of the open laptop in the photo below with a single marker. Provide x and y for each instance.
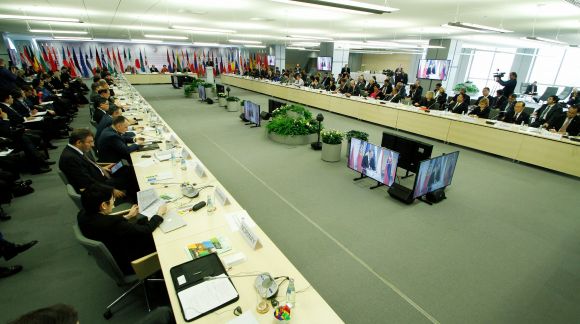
(149, 202)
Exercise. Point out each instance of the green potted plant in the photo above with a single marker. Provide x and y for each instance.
(355, 134)
(470, 88)
(209, 87)
(193, 85)
(292, 125)
(232, 103)
(222, 100)
(331, 145)
(188, 90)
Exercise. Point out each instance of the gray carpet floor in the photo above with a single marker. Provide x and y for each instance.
(503, 248)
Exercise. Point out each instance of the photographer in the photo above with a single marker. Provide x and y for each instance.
(508, 86)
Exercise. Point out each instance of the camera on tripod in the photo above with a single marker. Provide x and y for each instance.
(498, 75)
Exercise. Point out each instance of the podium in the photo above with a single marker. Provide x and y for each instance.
(209, 74)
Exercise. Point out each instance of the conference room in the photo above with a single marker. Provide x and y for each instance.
(303, 161)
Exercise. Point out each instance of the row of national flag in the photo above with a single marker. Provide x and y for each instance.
(84, 63)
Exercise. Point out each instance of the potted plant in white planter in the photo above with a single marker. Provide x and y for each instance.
(331, 145)
(233, 103)
(209, 89)
(222, 100)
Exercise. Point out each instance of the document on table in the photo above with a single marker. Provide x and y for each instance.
(46, 103)
(149, 202)
(206, 296)
(32, 120)
(40, 113)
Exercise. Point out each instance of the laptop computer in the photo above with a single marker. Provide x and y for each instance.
(148, 147)
(149, 203)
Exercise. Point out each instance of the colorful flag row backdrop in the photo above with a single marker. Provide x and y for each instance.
(83, 60)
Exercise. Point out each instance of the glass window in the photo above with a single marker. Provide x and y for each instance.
(546, 65)
(569, 74)
(480, 65)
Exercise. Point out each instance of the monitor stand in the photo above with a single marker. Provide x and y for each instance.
(362, 176)
(376, 186)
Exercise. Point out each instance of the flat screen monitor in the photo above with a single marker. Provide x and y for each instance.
(375, 162)
(324, 63)
(271, 60)
(247, 104)
(434, 174)
(220, 88)
(411, 151)
(274, 104)
(201, 91)
(433, 69)
(255, 114)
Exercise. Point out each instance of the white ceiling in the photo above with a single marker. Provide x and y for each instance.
(270, 21)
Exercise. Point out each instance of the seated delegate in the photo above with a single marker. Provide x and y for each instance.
(428, 101)
(517, 115)
(113, 146)
(125, 240)
(568, 123)
(481, 110)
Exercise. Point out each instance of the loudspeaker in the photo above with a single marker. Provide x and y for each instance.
(436, 196)
(401, 193)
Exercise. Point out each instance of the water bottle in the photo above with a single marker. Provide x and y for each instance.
(183, 164)
(291, 294)
(210, 205)
(172, 158)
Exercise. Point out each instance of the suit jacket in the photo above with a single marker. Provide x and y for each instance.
(22, 108)
(466, 98)
(490, 98)
(80, 173)
(480, 113)
(106, 121)
(509, 86)
(15, 118)
(441, 99)
(523, 117)
(416, 94)
(463, 107)
(112, 146)
(387, 89)
(531, 89)
(557, 121)
(427, 103)
(555, 111)
(98, 115)
(125, 240)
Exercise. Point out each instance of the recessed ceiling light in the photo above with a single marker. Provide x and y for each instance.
(165, 36)
(255, 46)
(20, 17)
(201, 29)
(49, 31)
(241, 41)
(343, 5)
(206, 44)
(476, 27)
(545, 40)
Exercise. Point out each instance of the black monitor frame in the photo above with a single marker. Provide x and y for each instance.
(411, 152)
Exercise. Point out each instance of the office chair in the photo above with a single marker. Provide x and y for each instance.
(550, 91)
(493, 114)
(71, 192)
(144, 267)
(565, 93)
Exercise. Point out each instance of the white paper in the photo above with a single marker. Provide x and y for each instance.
(5, 153)
(235, 219)
(145, 163)
(245, 318)
(40, 113)
(206, 296)
(32, 120)
(149, 202)
(46, 103)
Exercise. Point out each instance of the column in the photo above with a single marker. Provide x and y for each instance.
(279, 51)
(339, 56)
(451, 52)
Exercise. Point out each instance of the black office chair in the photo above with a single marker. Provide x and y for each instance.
(565, 93)
(550, 91)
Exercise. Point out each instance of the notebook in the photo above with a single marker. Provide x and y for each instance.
(149, 203)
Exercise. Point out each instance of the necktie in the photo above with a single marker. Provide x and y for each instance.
(516, 117)
(105, 174)
(565, 125)
(545, 113)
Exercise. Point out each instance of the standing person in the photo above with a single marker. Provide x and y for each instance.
(509, 86)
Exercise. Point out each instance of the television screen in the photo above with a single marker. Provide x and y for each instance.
(433, 69)
(247, 108)
(411, 151)
(271, 60)
(435, 173)
(324, 63)
(201, 91)
(220, 88)
(255, 114)
(375, 162)
(274, 104)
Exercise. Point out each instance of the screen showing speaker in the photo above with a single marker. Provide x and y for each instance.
(433, 69)
(201, 92)
(252, 112)
(373, 161)
(324, 63)
(271, 60)
(435, 173)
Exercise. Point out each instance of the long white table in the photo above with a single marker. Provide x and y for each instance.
(203, 225)
(511, 141)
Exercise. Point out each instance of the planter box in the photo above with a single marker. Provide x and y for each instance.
(233, 105)
(292, 140)
(331, 152)
(222, 102)
(188, 95)
(195, 95)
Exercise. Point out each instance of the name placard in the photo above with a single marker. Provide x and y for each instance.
(221, 196)
(248, 234)
(199, 170)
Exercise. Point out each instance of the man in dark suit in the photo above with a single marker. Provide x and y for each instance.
(462, 92)
(416, 93)
(509, 86)
(127, 241)
(113, 146)
(548, 111)
(565, 123)
(101, 108)
(485, 94)
(532, 88)
(345, 69)
(387, 87)
(459, 107)
(517, 115)
(80, 170)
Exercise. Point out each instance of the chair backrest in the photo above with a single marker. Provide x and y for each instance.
(103, 257)
(493, 113)
(565, 93)
(70, 190)
(529, 110)
(550, 91)
(524, 86)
